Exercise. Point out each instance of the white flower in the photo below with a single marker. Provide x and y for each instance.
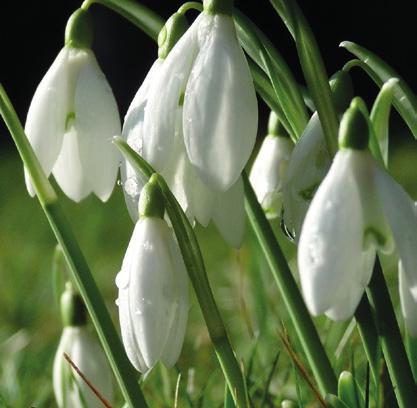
(207, 73)
(268, 172)
(84, 350)
(71, 120)
(307, 167)
(153, 296)
(198, 201)
(357, 210)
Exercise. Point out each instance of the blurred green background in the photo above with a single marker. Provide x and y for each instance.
(253, 312)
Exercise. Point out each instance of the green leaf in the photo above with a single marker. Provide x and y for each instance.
(380, 116)
(313, 68)
(228, 399)
(138, 14)
(286, 88)
(405, 100)
(349, 391)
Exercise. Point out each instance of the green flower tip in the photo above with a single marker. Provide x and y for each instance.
(73, 311)
(288, 404)
(275, 127)
(354, 129)
(151, 201)
(79, 31)
(218, 7)
(171, 32)
(342, 90)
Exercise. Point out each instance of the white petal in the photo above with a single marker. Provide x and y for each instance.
(348, 303)
(151, 285)
(175, 339)
(133, 133)
(164, 99)
(331, 236)
(45, 123)
(220, 107)
(408, 304)
(268, 171)
(97, 122)
(203, 199)
(400, 212)
(308, 165)
(229, 214)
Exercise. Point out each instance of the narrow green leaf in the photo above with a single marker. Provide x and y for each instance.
(412, 354)
(269, 379)
(405, 100)
(286, 88)
(349, 391)
(313, 68)
(138, 14)
(380, 116)
(59, 269)
(228, 399)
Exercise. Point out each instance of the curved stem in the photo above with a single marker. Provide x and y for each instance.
(392, 345)
(190, 5)
(194, 263)
(81, 273)
(303, 324)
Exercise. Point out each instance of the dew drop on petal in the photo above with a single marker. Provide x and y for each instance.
(122, 280)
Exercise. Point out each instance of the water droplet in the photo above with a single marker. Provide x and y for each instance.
(148, 246)
(119, 182)
(122, 280)
(131, 187)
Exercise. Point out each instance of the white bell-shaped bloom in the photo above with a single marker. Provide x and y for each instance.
(153, 296)
(307, 167)
(206, 73)
(198, 201)
(268, 171)
(70, 123)
(69, 388)
(357, 210)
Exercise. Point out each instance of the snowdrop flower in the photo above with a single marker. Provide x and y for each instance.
(207, 74)
(72, 118)
(198, 200)
(153, 293)
(83, 349)
(357, 210)
(310, 160)
(269, 167)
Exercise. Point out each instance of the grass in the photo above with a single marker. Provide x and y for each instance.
(248, 299)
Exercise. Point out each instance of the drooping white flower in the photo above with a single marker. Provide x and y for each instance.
(357, 210)
(70, 123)
(207, 73)
(198, 200)
(85, 352)
(268, 171)
(153, 293)
(307, 167)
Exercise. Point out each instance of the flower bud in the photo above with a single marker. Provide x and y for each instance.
(171, 32)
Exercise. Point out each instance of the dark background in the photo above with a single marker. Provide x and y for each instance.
(31, 34)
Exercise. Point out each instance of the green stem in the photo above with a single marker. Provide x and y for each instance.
(138, 14)
(369, 336)
(194, 262)
(86, 285)
(190, 5)
(303, 324)
(392, 345)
